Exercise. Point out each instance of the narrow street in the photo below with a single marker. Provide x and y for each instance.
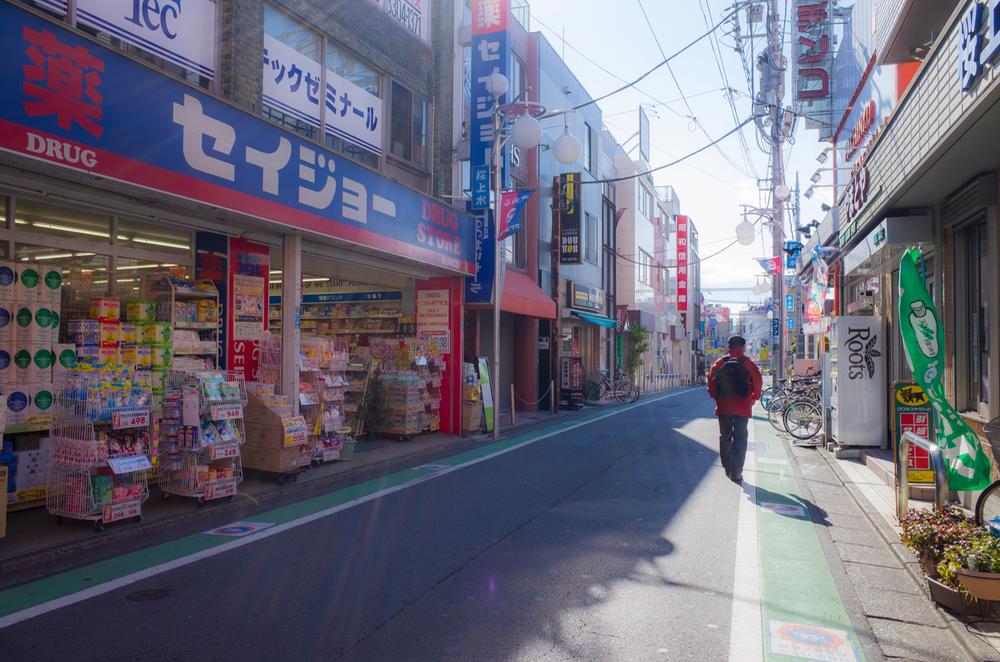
(613, 538)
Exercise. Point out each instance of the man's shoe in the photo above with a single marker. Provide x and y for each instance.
(737, 478)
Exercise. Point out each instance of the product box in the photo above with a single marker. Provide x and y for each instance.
(160, 356)
(129, 333)
(140, 311)
(108, 354)
(51, 285)
(63, 360)
(109, 333)
(472, 417)
(26, 328)
(41, 399)
(85, 332)
(88, 354)
(17, 405)
(28, 281)
(275, 460)
(7, 324)
(8, 281)
(43, 360)
(137, 356)
(158, 333)
(6, 365)
(105, 308)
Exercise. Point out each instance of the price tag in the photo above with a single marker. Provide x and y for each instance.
(128, 464)
(119, 511)
(223, 452)
(295, 431)
(308, 398)
(226, 412)
(331, 454)
(123, 420)
(220, 490)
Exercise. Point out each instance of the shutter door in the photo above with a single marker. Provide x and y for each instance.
(507, 359)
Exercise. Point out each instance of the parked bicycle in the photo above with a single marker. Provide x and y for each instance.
(797, 410)
(988, 503)
(621, 389)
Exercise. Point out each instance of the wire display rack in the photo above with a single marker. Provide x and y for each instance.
(102, 436)
(201, 431)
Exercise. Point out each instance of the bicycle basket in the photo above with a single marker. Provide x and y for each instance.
(992, 432)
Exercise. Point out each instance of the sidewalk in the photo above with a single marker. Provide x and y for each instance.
(34, 540)
(886, 586)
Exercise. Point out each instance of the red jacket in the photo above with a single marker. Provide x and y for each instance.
(735, 405)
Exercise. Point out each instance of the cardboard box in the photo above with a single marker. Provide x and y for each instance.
(275, 460)
(472, 416)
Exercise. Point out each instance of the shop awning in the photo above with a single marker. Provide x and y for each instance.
(599, 320)
(522, 296)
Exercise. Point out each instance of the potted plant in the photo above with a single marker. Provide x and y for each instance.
(927, 533)
(974, 564)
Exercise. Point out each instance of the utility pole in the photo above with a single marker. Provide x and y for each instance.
(773, 87)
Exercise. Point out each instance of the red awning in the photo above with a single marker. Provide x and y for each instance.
(523, 297)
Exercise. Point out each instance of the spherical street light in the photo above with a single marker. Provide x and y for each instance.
(719, 318)
(567, 149)
(770, 314)
(526, 132)
(496, 84)
(745, 233)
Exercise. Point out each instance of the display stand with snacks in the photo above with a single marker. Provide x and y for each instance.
(277, 440)
(102, 438)
(201, 432)
(409, 387)
(191, 307)
(359, 375)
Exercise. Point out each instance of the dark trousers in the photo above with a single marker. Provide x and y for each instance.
(733, 443)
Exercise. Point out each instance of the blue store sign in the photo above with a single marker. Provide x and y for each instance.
(72, 102)
(479, 287)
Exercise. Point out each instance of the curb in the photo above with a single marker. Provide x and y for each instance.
(968, 642)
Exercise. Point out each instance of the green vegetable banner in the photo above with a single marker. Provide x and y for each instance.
(923, 339)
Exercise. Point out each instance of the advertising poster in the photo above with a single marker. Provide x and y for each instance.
(912, 413)
(569, 218)
(249, 266)
(432, 318)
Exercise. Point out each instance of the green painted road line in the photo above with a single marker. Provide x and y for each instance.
(803, 616)
(159, 558)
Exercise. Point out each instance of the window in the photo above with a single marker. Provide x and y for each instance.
(518, 78)
(343, 63)
(645, 262)
(975, 244)
(66, 223)
(588, 147)
(590, 240)
(409, 125)
(158, 238)
(643, 201)
(298, 36)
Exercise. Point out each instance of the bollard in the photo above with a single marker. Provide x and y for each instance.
(513, 407)
(552, 397)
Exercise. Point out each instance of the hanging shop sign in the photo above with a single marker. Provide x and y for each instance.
(858, 346)
(978, 43)
(912, 413)
(869, 252)
(101, 116)
(585, 297)
(490, 53)
(682, 264)
(411, 14)
(479, 287)
(433, 324)
(569, 218)
(181, 33)
(292, 85)
(621, 318)
(812, 62)
(967, 465)
(775, 327)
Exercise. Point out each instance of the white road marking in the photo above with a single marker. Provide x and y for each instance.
(146, 573)
(746, 639)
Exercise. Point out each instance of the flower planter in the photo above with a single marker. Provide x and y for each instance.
(953, 599)
(982, 585)
(929, 566)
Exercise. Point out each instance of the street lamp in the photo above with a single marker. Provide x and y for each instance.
(524, 130)
(745, 233)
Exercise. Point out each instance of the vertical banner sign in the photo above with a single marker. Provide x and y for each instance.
(812, 61)
(479, 288)
(249, 266)
(487, 391)
(912, 413)
(490, 54)
(511, 204)
(569, 218)
(923, 341)
(682, 264)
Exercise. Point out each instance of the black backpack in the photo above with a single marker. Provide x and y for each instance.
(732, 379)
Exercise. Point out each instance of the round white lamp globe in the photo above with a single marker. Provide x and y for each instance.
(496, 84)
(782, 192)
(526, 132)
(566, 149)
(770, 314)
(745, 233)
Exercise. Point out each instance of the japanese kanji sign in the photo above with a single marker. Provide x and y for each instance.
(569, 219)
(812, 61)
(292, 85)
(75, 103)
(912, 412)
(490, 53)
(682, 264)
(479, 287)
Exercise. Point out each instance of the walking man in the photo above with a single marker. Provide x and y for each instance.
(735, 383)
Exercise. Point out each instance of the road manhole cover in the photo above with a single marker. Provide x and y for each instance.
(148, 595)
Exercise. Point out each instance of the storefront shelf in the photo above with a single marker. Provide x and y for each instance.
(192, 353)
(351, 317)
(195, 294)
(197, 326)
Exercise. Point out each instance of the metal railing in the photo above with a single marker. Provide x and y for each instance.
(903, 478)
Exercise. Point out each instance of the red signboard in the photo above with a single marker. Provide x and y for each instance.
(249, 265)
(682, 264)
(489, 16)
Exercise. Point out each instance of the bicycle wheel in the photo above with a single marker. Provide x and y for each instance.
(803, 419)
(774, 413)
(770, 393)
(633, 392)
(988, 504)
(621, 392)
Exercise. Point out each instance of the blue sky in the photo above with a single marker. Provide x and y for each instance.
(603, 37)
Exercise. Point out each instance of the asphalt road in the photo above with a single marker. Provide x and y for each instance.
(612, 541)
